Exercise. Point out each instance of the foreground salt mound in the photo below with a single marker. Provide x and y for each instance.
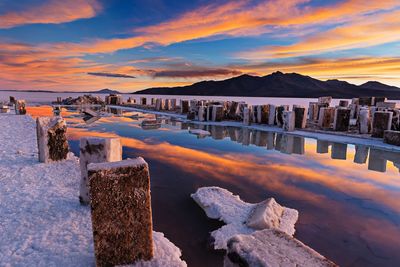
(41, 220)
(270, 248)
(165, 254)
(241, 217)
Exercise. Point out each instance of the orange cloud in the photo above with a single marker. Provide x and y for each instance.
(52, 11)
(372, 30)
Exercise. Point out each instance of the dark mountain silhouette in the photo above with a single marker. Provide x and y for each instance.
(279, 84)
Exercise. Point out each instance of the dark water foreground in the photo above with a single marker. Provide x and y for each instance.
(349, 212)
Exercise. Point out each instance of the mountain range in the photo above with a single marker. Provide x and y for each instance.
(279, 84)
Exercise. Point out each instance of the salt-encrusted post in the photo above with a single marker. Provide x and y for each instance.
(271, 115)
(341, 120)
(217, 112)
(12, 100)
(288, 120)
(143, 101)
(364, 121)
(121, 212)
(279, 114)
(343, 103)
(96, 150)
(313, 111)
(300, 114)
(20, 107)
(326, 117)
(184, 106)
(246, 116)
(51, 139)
(382, 121)
(202, 113)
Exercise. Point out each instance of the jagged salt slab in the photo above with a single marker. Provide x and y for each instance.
(270, 247)
(165, 254)
(241, 217)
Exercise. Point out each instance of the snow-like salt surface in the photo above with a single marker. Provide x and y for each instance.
(267, 248)
(118, 164)
(41, 220)
(219, 203)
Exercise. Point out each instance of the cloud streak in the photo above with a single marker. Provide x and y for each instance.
(112, 75)
(52, 11)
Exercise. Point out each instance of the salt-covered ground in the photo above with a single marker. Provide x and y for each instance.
(41, 220)
(330, 136)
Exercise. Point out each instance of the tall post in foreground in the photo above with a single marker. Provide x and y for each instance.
(121, 212)
(96, 150)
(51, 139)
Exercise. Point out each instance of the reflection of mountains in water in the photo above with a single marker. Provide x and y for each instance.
(290, 144)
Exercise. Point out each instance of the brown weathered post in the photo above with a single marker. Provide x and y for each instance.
(121, 212)
(51, 139)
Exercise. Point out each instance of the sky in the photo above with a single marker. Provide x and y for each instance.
(129, 45)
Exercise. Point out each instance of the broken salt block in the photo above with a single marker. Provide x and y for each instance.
(270, 247)
(265, 214)
(51, 139)
(121, 212)
(288, 121)
(95, 150)
(219, 203)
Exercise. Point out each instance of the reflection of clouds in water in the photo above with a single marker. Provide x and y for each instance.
(344, 200)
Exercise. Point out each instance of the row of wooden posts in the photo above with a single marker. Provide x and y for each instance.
(373, 115)
(118, 192)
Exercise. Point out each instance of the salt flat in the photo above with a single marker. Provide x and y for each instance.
(41, 220)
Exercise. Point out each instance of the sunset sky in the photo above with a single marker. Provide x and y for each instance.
(129, 45)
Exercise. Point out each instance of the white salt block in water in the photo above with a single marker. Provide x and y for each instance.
(219, 203)
(199, 132)
(270, 247)
(265, 215)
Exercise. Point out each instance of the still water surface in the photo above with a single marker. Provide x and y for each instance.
(348, 197)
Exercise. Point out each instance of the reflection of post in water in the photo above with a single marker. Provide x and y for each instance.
(261, 138)
(394, 157)
(231, 133)
(322, 147)
(89, 120)
(361, 154)
(217, 132)
(287, 143)
(377, 161)
(184, 125)
(298, 145)
(115, 111)
(270, 140)
(278, 142)
(246, 136)
(339, 151)
(238, 135)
